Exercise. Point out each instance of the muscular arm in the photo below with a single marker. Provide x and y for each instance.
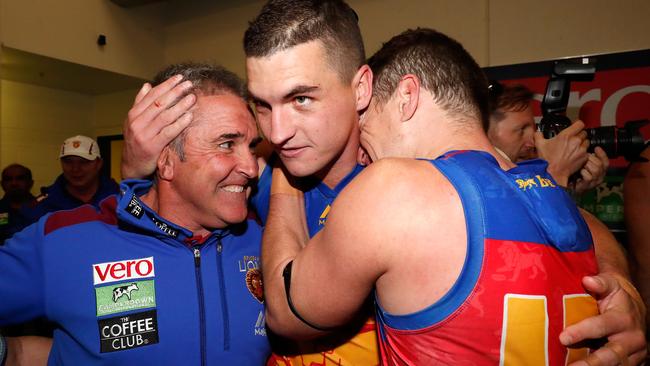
(621, 309)
(28, 351)
(637, 212)
(325, 289)
(379, 233)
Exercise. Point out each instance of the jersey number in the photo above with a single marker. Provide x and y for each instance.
(524, 338)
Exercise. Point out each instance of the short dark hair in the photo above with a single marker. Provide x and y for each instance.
(283, 24)
(443, 66)
(508, 98)
(207, 79)
(25, 169)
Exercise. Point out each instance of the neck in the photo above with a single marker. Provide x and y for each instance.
(344, 163)
(455, 137)
(167, 205)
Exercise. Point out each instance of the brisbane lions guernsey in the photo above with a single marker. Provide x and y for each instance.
(527, 251)
(357, 346)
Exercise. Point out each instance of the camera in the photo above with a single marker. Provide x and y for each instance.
(626, 141)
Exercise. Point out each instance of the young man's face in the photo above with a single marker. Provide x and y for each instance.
(211, 183)
(304, 109)
(514, 135)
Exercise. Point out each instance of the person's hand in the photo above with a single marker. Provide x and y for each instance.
(621, 321)
(566, 153)
(156, 118)
(593, 172)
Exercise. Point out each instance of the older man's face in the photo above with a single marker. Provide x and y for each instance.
(219, 162)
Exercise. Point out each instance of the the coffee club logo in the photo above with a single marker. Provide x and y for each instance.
(125, 297)
(129, 331)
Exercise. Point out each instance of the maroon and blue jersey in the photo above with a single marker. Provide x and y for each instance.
(318, 197)
(358, 346)
(528, 248)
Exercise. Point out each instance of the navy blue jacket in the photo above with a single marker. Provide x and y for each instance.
(56, 198)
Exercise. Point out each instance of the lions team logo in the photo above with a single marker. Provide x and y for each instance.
(537, 181)
(254, 284)
(76, 144)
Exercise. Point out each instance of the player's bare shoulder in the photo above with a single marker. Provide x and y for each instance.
(397, 189)
(406, 177)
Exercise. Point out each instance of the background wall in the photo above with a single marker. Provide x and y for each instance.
(34, 120)
(68, 30)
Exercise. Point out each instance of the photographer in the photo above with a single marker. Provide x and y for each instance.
(513, 131)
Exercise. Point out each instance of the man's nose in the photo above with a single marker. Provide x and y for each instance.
(281, 127)
(247, 165)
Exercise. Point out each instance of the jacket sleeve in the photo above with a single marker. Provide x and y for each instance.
(21, 276)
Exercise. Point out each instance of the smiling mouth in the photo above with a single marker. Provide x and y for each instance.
(233, 188)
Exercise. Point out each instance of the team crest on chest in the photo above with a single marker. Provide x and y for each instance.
(254, 284)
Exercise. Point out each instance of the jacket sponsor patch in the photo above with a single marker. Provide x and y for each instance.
(125, 297)
(135, 208)
(126, 332)
(128, 269)
(162, 226)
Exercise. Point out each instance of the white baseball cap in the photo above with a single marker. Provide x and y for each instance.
(82, 146)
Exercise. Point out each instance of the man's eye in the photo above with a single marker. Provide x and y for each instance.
(226, 145)
(303, 100)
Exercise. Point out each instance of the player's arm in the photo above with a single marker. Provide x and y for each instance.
(27, 351)
(621, 309)
(333, 273)
(23, 295)
(637, 212)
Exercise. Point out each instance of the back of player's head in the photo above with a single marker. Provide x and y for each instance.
(283, 24)
(443, 67)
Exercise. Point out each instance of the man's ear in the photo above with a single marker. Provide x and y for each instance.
(165, 164)
(408, 96)
(362, 84)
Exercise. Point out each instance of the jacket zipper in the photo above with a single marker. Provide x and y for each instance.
(199, 288)
(222, 292)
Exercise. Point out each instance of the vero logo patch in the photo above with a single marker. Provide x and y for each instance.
(123, 270)
(125, 297)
